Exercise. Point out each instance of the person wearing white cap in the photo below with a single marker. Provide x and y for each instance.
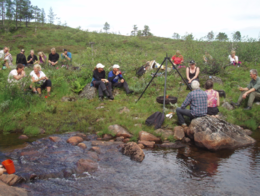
(117, 80)
(197, 99)
(102, 84)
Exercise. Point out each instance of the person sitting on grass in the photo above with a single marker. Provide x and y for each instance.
(32, 58)
(102, 84)
(177, 59)
(213, 99)
(252, 90)
(197, 99)
(8, 59)
(117, 80)
(42, 58)
(17, 74)
(66, 57)
(53, 57)
(233, 59)
(21, 59)
(192, 72)
(40, 81)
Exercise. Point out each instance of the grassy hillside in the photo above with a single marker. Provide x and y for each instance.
(22, 111)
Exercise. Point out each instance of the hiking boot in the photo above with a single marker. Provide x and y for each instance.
(184, 125)
(248, 108)
(130, 92)
(100, 98)
(234, 104)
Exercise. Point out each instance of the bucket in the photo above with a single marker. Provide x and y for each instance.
(9, 166)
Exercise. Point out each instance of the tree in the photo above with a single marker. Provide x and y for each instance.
(210, 35)
(134, 32)
(176, 36)
(222, 36)
(106, 27)
(2, 11)
(43, 16)
(189, 37)
(237, 36)
(51, 16)
(146, 31)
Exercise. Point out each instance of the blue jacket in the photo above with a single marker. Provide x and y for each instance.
(114, 78)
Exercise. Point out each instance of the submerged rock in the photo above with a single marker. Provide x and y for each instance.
(147, 144)
(86, 165)
(88, 92)
(119, 131)
(82, 145)
(134, 151)
(145, 136)
(54, 138)
(74, 140)
(215, 134)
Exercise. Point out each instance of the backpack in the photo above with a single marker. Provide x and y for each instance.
(222, 93)
(155, 119)
(141, 71)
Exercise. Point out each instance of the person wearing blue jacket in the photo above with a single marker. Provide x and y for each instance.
(117, 80)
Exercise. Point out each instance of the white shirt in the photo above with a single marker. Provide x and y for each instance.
(36, 77)
(231, 59)
(11, 76)
(2, 54)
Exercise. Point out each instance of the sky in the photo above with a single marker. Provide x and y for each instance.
(164, 17)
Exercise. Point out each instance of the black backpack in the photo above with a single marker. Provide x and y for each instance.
(141, 71)
(156, 120)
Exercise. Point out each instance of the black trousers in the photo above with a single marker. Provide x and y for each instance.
(122, 85)
(101, 86)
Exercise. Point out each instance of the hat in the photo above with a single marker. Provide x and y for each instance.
(99, 65)
(116, 66)
(192, 62)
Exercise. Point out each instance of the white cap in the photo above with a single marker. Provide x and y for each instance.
(99, 65)
(116, 66)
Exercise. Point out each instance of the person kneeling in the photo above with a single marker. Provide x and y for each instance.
(253, 90)
(114, 76)
(197, 99)
(40, 80)
(102, 84)
(213, 99)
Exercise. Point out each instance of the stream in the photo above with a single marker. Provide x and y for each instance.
(185, 171)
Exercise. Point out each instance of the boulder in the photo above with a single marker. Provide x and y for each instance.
(215, 134)
(147, 144)
(88, 92)
(11, 191)
(86, 165)
(227, 105)
(74, 140)
(82, 145)
(248, 132)
(23, 137)
(134, 151)
(119, 131)
(11, 179)
(141, 146)
(178, 133)
(164, 132)
(66, 99)
(55, 139)
(145, 136)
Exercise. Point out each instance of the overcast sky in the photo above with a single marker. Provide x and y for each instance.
(164, 17)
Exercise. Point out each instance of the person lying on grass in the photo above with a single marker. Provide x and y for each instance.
(117, 80)
(17, 74)
(252, 90)
(213, 99)
(102, 84)
(197, 99)
(40, 80)
(53, 57)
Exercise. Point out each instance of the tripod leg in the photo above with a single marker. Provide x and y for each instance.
(151, 80)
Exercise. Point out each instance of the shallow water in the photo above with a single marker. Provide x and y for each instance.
(186, 171)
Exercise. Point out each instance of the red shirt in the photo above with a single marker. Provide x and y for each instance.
(177, 60)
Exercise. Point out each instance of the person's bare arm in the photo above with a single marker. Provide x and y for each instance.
(19, 76)
(197, 74)
(243, 89)
(248, 92)
(187, 74)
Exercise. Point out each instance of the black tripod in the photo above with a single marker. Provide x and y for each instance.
(166, 59)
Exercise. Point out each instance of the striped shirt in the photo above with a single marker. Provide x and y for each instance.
(197, 99)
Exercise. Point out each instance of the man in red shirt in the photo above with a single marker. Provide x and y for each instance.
(177, 59)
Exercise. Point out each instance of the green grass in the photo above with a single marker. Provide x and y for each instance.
(22, 111)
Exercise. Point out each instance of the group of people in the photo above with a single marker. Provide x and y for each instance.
(204, 103)
(178, 59)
(105, 86)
